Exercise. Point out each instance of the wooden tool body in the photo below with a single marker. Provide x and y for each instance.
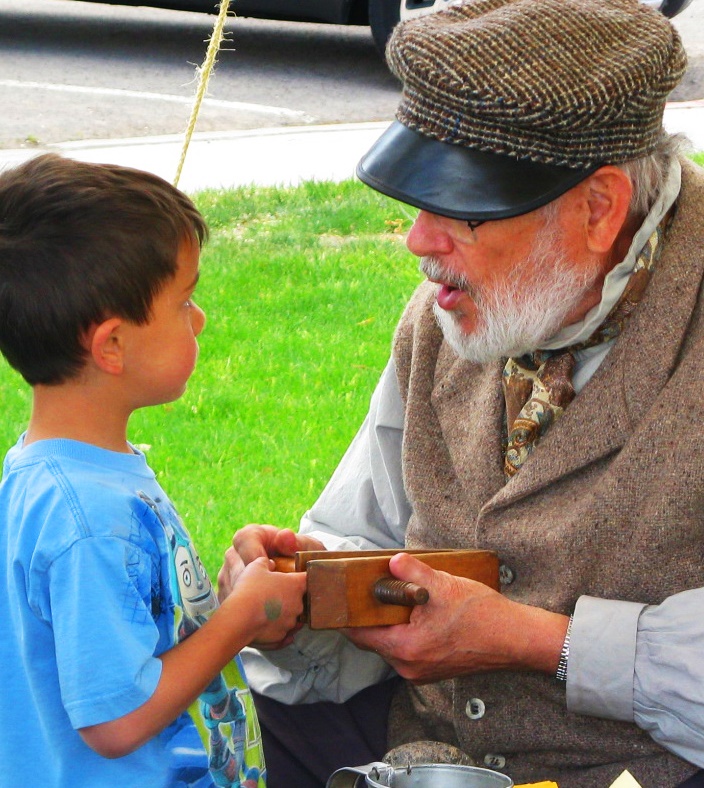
(356, 588)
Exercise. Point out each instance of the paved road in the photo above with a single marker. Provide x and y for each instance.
(690, 24)
(72, 71)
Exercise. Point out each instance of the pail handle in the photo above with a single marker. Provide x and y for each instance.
(352, 776)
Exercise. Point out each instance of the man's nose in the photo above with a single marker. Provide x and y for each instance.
(427, 237)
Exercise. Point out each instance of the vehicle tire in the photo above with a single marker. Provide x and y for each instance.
(383, 17)
(673, 7)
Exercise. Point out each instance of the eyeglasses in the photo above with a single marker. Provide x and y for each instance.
(462, 230)
(471, 236)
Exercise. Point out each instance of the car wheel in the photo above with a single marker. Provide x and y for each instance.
(383, 17)
(673, 7)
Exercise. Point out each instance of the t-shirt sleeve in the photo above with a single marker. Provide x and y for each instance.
(101, 592)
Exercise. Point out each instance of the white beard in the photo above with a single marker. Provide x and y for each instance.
(512, 319)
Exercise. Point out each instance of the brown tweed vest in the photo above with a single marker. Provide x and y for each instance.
(616, 513)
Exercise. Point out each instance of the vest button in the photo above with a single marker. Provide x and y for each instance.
(506, 575)
(494, 761)
(475, 708)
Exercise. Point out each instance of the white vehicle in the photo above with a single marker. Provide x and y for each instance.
(411, 8)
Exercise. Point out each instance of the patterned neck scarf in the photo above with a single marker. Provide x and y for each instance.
(538, 386)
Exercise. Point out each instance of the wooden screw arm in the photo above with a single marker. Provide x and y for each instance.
(356, 588)
(386, 590)
(391, 591)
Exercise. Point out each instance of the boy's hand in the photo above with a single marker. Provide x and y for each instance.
(256, 541)
(271, 600)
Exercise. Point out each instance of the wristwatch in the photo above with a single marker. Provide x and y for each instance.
(561, 674)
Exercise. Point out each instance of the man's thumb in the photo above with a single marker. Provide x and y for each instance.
(404, 566)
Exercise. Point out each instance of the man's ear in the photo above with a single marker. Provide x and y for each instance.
(107, 346)
(609, 198)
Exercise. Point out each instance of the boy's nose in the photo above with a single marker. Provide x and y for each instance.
(197, 319)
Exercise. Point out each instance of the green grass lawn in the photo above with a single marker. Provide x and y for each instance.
(302, 289)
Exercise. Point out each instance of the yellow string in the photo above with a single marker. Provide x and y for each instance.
(205, 71)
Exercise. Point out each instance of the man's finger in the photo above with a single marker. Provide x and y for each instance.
(405, 567)
(255, 541)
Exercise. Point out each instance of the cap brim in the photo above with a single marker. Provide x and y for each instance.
(460, 182)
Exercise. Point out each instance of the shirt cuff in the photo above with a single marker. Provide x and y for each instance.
(602, 658)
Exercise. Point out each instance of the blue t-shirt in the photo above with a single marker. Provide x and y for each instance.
(99, 577)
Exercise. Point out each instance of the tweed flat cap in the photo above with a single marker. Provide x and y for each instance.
(506, 104)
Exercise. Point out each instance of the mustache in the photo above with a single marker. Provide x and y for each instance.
(434, 269)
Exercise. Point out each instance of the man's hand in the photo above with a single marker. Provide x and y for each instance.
(466, 627)
(259, 541)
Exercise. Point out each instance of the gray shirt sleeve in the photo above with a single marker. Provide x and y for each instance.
(668, 689)
(643, 664)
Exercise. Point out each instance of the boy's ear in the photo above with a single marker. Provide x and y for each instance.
(107, 346)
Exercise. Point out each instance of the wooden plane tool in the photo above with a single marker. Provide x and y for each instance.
(356, 588)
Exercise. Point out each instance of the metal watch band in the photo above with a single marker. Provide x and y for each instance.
(561, 674)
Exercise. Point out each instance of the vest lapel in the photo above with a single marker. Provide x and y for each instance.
(470, 410)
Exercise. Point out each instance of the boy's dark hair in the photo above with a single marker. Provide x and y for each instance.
(80, 243)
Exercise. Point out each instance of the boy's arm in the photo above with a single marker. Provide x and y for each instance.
(263, 606)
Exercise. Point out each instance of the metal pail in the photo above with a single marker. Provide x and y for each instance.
(429, 775)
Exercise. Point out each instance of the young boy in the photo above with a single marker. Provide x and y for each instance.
(111, 629)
